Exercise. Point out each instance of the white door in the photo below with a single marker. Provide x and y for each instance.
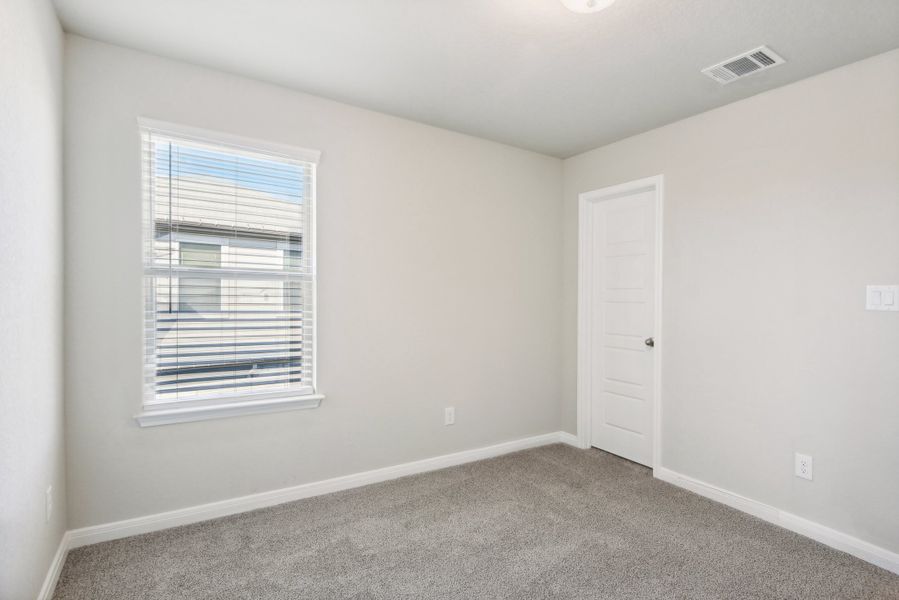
(622, 262)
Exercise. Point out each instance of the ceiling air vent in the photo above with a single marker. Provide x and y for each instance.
(744, 64)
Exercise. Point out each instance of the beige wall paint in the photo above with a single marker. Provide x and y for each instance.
(439, 285)
(31, 305)
(778, 211)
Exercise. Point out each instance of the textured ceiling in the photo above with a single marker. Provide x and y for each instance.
(524, 72)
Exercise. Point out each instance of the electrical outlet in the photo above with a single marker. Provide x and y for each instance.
(803, 466)
(449, 415)
(48, 504)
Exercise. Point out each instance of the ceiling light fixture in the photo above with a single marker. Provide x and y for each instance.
(587, 6)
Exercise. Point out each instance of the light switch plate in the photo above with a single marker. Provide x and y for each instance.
(882, 297)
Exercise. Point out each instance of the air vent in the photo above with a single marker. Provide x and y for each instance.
(745, 64)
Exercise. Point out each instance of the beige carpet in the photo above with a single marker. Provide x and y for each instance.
(553, 522)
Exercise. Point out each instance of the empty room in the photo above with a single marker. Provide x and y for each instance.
(466, 299)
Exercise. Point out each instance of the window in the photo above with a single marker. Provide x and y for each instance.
(229, 275)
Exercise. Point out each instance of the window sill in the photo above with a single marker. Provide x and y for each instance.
(169, 416)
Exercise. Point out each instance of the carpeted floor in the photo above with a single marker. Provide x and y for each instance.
(553, 522)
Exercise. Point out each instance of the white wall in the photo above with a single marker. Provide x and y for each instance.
(439, 285)
(31, 306)
(778, 211)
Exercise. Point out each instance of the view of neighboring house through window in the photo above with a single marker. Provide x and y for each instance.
(228, 271)
(200, 294)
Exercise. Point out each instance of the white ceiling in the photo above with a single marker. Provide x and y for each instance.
(524, 72)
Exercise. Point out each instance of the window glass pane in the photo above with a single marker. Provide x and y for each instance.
(201, 255)
(200, 294)
(293, 290)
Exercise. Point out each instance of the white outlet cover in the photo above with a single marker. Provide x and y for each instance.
(803, 466)
(449, 415)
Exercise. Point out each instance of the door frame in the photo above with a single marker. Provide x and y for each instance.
(586, 204)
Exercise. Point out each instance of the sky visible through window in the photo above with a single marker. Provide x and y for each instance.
(282, 180)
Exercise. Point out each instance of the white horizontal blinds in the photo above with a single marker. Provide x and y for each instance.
(228, 271)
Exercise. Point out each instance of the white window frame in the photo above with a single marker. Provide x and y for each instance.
(164, 413)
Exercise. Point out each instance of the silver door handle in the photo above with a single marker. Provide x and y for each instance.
(650, 342)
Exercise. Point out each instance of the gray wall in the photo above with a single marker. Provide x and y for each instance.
(778, 211)
(31, 306)
(439, 285)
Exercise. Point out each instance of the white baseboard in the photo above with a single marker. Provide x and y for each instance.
(203, 512)
(830, 537)
(570, 439)
(55, 569)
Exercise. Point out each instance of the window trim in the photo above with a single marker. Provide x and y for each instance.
(186, 414)
(229, 139)
(201, 409)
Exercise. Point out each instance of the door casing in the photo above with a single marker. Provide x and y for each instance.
(587, 202)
